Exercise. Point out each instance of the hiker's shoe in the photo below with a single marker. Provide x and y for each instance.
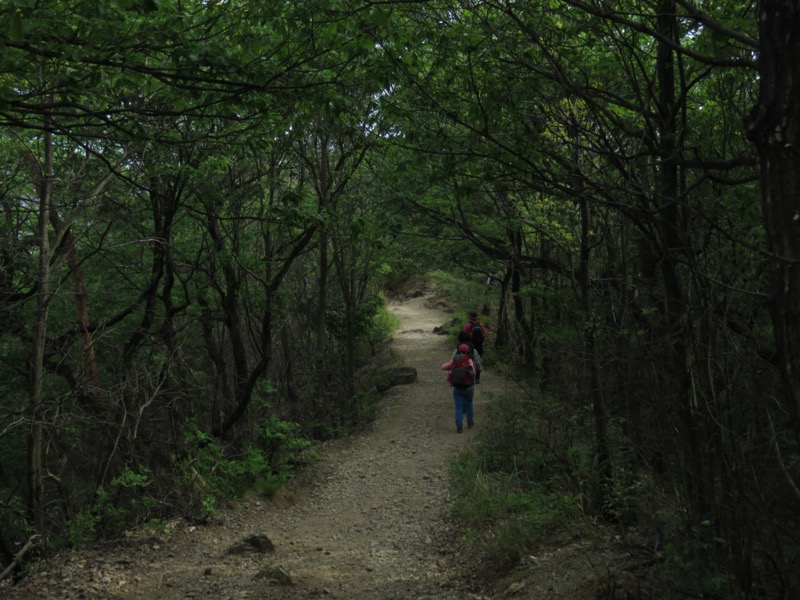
(470, 425)
(459, 429)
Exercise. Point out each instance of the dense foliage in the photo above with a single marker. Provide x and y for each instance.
(202, 202)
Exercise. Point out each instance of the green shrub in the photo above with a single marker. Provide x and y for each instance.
(378, 322)
(280, 442)
(365, 407)
(121, 506)
(373, 324)
(268, 486)
(82, 529)
(207, 474)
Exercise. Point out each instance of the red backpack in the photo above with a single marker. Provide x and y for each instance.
(462, 373)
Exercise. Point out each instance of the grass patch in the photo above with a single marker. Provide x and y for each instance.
(504, 514)
(519, 484)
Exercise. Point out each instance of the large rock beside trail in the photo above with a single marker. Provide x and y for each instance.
(447, 327)
(396, 376)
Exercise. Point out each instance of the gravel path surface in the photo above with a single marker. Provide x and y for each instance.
(371, 523)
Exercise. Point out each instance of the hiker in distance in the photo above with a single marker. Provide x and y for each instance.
(477, 330)
(464, 337)
(478, 333)
(461, 375)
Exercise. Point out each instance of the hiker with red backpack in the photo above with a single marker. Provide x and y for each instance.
(461, 375)
(477, 332)
(464, 337)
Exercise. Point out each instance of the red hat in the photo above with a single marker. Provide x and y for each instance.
(464, 349)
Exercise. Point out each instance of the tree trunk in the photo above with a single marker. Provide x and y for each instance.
(320, 362)
(775, 132)
(91, 377)
(592, 366)
(524, 341)
(674, 245)
(35, 403)
(352, 294)
(503, 326)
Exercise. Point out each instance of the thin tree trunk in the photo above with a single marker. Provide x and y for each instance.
(320, 363)
(352, 294)
(503, 327)
(35, 403)
(91, 378)
(592, 365)
(80, 296)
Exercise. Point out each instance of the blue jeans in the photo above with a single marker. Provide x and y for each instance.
(463, 400)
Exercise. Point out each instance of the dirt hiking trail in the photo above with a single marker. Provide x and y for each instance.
(368, 522)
